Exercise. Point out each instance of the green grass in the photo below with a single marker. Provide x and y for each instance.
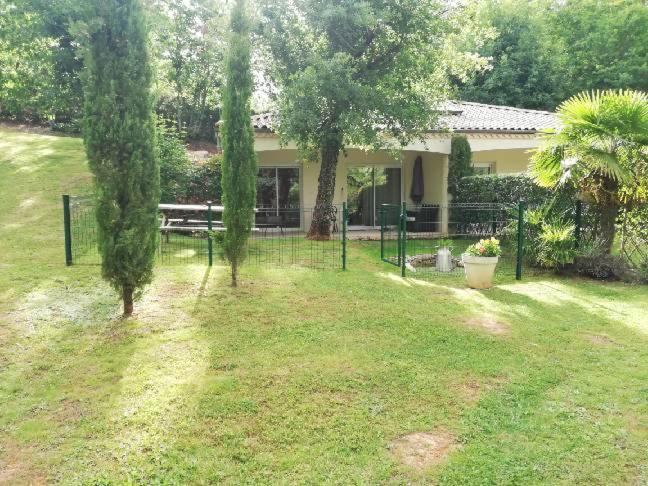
(300, 376)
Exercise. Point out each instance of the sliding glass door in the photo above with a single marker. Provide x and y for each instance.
(278, 196)
(367, 188)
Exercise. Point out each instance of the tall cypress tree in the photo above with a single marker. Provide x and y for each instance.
(459, 162)
(119, 136)
(239, 168)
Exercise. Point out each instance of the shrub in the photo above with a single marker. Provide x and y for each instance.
(508, 189)
(549, 239)
(593, 262)
(204, 181)
(182, 180)
(174, 162)
(555, 245)
(642, 272)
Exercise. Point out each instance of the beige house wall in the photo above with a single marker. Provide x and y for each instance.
(435, 167)
(508, 161)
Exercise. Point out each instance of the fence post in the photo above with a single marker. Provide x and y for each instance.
(520, 241)
(404, 239)
(210, 249)
(67, 229)
(345, 217)
(577, 223)
(382, 232)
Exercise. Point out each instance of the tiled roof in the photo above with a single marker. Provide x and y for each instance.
(464, 116)
(467, 116)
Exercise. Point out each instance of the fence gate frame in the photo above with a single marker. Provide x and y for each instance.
(401, 258)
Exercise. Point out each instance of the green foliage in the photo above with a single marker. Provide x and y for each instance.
(445, 243)
(352, 72)
(605, 41)
(528, 61)
(555, 244)
(546, 51)
(188, 41)
(549, 235)
(204, 181)
(239, 169)
(595, 262)
(119, 135)
(182, 180)
(359, 69)
(505, 189)
(459, 162)
(174, 163)
(601, 150)
(39, 65)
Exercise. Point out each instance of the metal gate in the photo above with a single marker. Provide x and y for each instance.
(429, 239)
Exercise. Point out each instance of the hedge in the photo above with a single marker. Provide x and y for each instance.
(508, 189)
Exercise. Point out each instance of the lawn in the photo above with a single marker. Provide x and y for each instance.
(302, 376)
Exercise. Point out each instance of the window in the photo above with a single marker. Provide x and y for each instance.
(278, 195)
(483, 168)
(278, 188)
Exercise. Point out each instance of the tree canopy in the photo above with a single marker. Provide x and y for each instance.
(548, 50)
(368, 73)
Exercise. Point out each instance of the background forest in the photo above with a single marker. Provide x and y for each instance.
(539, 53)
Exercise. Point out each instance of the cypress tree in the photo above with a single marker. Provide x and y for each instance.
(239, 170)
(119, 136)
(459, 163)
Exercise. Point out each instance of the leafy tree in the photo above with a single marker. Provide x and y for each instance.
(367, 73)
(602, 149)
(459, 163)
(548, 50)
(528, 62)
(605, 41)
(119, 135)
(239, 160)
(39, 65)
(188, 42)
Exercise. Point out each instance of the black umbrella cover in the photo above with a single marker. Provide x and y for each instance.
(418, 187)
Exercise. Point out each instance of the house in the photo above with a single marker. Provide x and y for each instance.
(500, 138)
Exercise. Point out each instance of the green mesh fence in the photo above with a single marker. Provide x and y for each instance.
(431, 238)
(390, 233)
(278, 237)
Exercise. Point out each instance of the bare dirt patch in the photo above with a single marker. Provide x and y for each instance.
(422, 450)
(14, 469)
(601, 340)
(70, 410)
(487, 323)
(472, 391)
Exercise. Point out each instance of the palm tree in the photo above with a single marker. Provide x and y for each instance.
(601, 148)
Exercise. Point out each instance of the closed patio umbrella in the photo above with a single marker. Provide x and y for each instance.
(418, 188)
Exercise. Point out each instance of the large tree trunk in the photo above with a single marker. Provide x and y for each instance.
(323, 213)
(608, 212)
(127, 296)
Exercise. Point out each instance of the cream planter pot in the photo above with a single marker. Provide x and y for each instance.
(479, 270)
